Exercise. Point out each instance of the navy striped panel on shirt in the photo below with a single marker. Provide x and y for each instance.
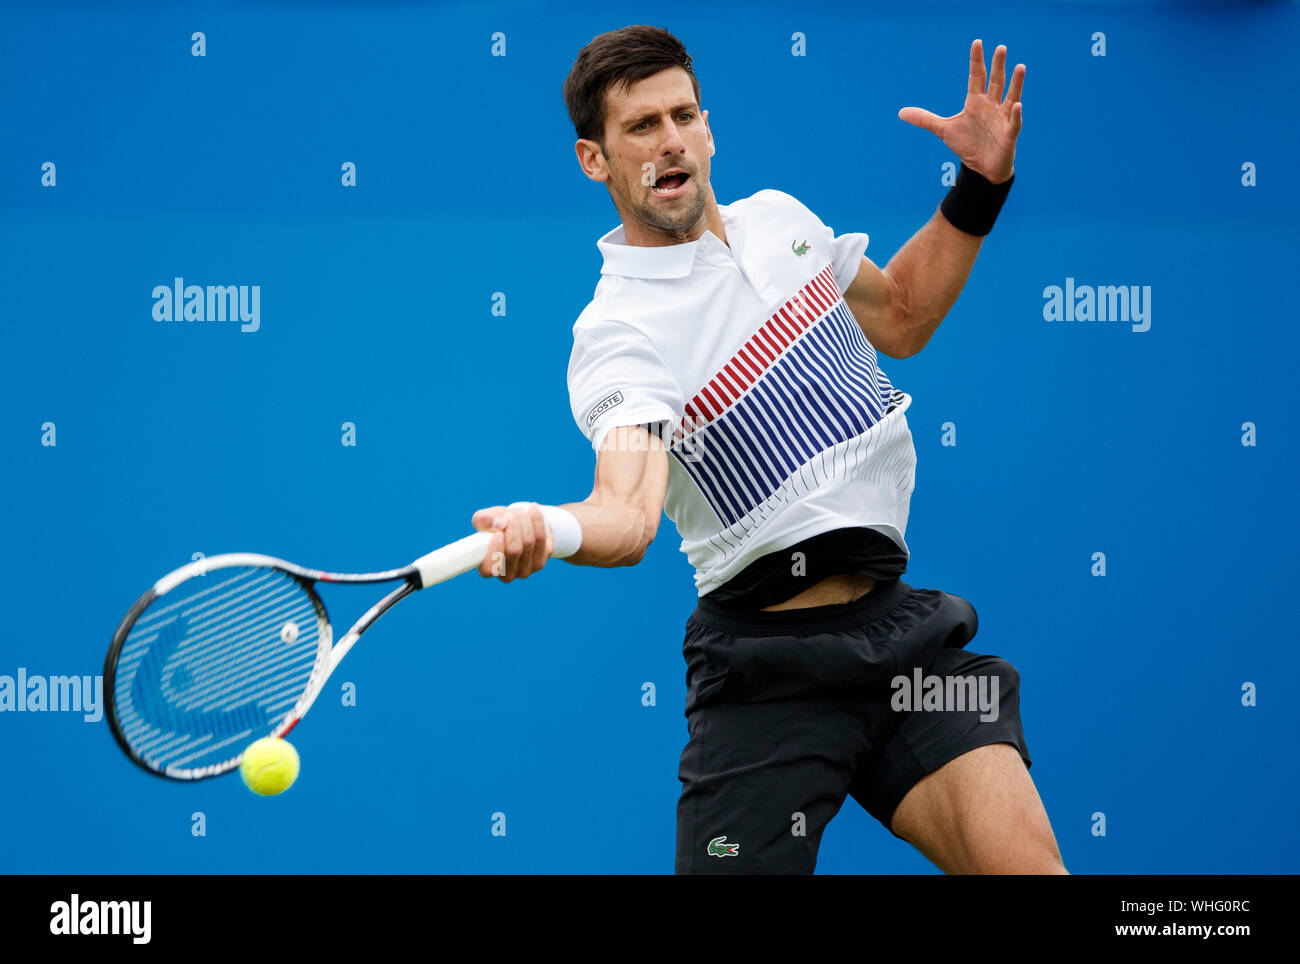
(805, 382)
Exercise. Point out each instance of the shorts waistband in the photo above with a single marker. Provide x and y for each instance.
(884, 596)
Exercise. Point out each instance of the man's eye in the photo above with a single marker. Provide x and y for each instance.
(688, 115)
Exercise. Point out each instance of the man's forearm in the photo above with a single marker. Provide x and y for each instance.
(929, 272)
(612, 535)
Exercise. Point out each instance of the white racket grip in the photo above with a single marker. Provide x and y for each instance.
(453, 559)
(465, 554)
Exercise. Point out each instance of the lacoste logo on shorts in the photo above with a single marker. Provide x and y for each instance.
(718, 847)
(603, 406)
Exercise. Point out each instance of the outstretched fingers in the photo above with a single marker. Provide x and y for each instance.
(1013, 93)
(977, 75)
(998, 75)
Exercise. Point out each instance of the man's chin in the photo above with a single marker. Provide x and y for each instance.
(678, 215)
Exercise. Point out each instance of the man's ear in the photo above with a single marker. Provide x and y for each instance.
(592, 160)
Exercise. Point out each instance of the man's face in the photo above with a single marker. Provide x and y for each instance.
(657, 149)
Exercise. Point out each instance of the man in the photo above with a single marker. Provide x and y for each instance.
(726, 372)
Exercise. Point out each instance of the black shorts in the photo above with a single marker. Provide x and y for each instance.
(790, 711)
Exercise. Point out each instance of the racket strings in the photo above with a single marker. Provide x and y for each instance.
(219, 661)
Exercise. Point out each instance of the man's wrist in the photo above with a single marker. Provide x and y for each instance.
(566, 531)
(972, 204)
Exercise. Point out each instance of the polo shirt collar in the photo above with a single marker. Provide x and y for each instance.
(661, 261)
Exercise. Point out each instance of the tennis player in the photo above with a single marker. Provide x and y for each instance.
(727, 372)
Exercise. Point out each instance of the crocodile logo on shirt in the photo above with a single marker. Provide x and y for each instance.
(800, 249)
(718, 847)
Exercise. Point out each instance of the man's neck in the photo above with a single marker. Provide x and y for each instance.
(643, 235)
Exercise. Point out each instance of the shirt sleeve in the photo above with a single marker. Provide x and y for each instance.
(846, 253)
(616, 377)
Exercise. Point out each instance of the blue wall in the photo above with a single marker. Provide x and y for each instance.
(477, 697)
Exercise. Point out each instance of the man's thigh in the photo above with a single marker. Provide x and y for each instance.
(980, 814)
(952, 778)
(760, 782)
(960, 701)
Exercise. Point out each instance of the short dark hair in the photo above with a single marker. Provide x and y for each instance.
(621, 56)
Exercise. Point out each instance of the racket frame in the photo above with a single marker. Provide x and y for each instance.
(437, 566)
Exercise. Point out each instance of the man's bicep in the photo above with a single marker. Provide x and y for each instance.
(632, 470)
(621, 516)
(877, 301)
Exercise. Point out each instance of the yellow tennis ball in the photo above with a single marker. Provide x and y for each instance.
(269, 766)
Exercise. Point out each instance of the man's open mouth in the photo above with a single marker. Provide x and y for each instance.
(671, 183)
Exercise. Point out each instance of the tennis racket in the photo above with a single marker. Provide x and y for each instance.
(235, 647)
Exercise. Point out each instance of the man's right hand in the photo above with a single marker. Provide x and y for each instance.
(521, 543)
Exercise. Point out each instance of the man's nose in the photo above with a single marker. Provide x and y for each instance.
(673, 143)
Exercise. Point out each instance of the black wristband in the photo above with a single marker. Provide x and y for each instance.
(973, 202)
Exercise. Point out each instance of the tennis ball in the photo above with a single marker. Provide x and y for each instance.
(269, 766)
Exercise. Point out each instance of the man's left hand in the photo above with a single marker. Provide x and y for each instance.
(984, 134)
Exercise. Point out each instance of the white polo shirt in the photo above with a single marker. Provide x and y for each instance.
(780, 423)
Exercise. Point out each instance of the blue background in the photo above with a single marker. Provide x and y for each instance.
(478, 697)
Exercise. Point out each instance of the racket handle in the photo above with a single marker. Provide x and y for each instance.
(465, 554)
(453, 559)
